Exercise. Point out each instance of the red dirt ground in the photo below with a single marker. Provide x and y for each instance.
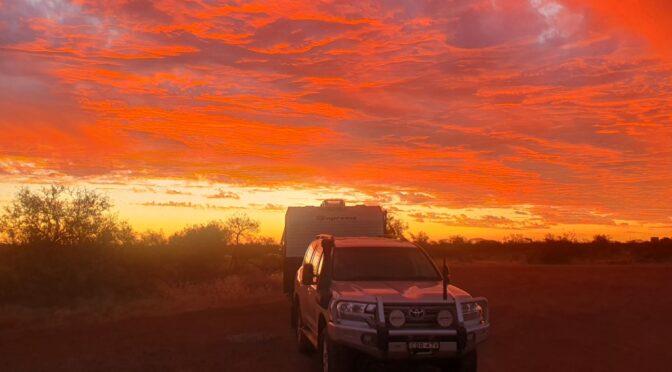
(544, 318)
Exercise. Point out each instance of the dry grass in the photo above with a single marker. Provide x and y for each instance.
(231, 291)
(544, 318)
(561, 252)
(44, 286)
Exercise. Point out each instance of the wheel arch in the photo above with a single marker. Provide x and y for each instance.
(294, 311)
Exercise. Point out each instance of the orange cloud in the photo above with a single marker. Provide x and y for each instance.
(651, 19)
(222, 194)
(557, 104)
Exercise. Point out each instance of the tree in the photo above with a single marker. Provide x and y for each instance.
(212, 234)
(152, 238)
(394, 227)
(421, 239)
(457, 239)
(517, 239)
(566, 237)
(601, 239)
(241, 227)
(59, 215)
(263, 240)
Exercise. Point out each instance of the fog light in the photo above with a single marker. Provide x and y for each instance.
(397, 318)
(445, 318)
(369, 339)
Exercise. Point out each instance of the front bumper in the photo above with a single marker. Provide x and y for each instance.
(393, 343)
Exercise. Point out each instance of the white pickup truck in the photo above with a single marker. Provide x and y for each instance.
(385, 299)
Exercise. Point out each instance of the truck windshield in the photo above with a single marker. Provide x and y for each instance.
(383, 264)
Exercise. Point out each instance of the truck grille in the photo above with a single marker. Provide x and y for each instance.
(418, 316)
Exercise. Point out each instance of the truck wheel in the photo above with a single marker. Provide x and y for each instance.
(302, 341)
(335, 357)
(293, 313)
(466, 363)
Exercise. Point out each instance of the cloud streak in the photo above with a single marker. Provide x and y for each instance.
(223, 194)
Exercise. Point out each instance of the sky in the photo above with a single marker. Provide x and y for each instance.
(481, 118)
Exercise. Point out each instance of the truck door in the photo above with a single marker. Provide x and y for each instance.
(313, 307)
(302, 290)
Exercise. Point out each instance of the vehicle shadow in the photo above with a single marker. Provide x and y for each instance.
(366, 364)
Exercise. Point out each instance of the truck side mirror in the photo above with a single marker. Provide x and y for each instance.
(308, 274)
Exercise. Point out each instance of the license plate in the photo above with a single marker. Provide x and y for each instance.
(423, 346)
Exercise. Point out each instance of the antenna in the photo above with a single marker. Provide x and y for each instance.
(446, 279)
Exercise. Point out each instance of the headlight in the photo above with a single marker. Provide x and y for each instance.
(354, 310)
(445, 318)
(397, 318)
(474, 310)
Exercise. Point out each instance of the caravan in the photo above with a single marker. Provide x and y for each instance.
(303, 224)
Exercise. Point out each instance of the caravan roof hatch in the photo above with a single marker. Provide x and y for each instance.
(333, 203)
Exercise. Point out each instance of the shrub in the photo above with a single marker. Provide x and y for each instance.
(58, 215)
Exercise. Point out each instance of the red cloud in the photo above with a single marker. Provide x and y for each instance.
(651, 19)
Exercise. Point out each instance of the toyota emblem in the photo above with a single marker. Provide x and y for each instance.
(416, 313)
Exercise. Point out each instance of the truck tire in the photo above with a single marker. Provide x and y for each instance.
(302, 341)
(335, 357)
(294, 313)
(466, 363)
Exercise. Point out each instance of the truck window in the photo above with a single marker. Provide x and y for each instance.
(319, 265)
(317, 258)
(373, 263)
(309, 254)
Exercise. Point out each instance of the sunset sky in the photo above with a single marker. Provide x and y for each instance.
(482, 118)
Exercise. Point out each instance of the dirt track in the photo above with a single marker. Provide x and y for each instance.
(553, 318)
